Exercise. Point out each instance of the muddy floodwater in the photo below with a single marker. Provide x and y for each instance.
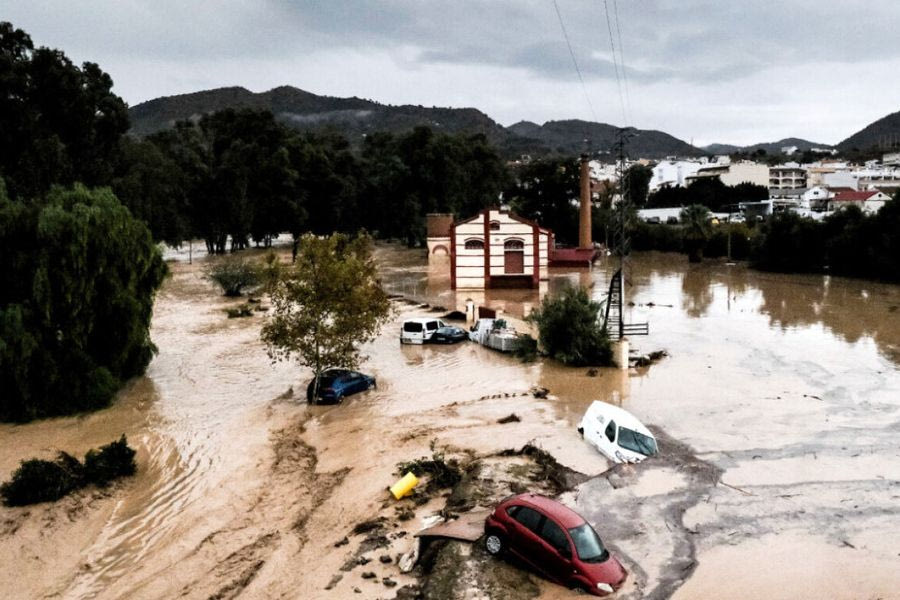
(777, 410)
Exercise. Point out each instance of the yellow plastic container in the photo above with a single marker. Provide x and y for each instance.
(404, 485)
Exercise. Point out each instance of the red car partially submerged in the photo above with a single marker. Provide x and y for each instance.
(555, 541)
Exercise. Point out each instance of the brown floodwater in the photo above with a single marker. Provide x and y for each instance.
(789, 384)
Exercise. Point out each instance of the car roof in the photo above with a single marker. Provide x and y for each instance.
(421, 319)
(561, 513)
(622, 417)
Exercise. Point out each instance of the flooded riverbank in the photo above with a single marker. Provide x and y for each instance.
(787, 387)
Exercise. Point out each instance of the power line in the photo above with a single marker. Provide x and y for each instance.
(574, 61)
(612, 48)
(622, 59)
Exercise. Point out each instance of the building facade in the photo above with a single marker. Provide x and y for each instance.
(498, 249)
(787, 177)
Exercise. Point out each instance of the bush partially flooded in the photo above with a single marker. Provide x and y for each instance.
(39, 480)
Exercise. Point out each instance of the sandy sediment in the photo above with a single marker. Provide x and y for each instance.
(245, 491)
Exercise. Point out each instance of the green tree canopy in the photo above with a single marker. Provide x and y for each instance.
(58, 123)
(697, 229)
(547, 192)
(569, 328)
(326, 304)
(76, 295)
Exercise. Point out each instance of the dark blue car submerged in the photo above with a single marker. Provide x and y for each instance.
(335, 384)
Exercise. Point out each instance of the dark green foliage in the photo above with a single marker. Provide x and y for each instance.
(58, 123)
(44, 481)
(237, 175)
(660, 237)
(546, 191)
(637, 184)
(709, 192)
(526, 348)
(409, 176)
(109, 462)
(741, 241)
(570, 329)
(697, 229)
(76, 295)
(845, 243)
(154, 188)
(790, 243)
(233, 274)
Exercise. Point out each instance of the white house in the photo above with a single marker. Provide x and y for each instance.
(498, 249)
(870, 201)
(669, 173)
(735, 173)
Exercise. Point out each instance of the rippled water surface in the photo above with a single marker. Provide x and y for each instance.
(777, 367)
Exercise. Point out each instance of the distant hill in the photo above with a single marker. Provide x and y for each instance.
(721, 149)
(356, 117)
(883, 133)
(353, 117)
(574, 136)
(770, 147)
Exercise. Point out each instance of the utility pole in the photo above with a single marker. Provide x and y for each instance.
(622, 240)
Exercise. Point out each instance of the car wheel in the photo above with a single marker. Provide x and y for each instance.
(494, 544)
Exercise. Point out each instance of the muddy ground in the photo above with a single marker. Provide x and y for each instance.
(777, 414)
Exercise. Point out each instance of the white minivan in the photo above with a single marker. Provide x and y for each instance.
(419, 330)
(617, 433)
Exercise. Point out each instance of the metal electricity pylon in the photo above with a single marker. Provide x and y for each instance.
(615, 302)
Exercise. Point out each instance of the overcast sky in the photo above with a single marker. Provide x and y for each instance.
(702, 70)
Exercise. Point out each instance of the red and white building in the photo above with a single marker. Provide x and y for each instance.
(870, 201)
(498, 249)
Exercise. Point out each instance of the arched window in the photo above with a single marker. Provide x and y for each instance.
(514, 245)
(495, 225)
(474, 244)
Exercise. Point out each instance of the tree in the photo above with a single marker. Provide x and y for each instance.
(569, 328)
(233, 274)
(326, 304)
(637, 183)
(547, 191)
(58, 123)
(76, 295)
(696, 230)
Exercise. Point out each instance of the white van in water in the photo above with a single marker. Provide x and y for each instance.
(419, 330)
(617, 433)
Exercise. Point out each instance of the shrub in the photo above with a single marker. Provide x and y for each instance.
(570, 330)
(111, 461)
(233, 274)
(526, 348)
(42, 480)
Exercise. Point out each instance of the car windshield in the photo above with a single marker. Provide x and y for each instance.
(637, 442)
(447, 330)
(588, 544)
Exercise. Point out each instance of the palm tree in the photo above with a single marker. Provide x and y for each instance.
(696, 230)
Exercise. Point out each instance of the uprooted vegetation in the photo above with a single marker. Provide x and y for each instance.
(467, 483)
(39, 480)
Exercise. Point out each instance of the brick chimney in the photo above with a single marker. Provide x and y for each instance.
(584, 223)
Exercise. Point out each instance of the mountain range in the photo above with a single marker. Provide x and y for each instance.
(357, 117)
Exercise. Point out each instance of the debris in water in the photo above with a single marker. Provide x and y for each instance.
(512, 418)
(369, 575)
(385, 559)
(404, 485)
(539, 392)
(455, 315)
(342, 542)
(592, 372)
